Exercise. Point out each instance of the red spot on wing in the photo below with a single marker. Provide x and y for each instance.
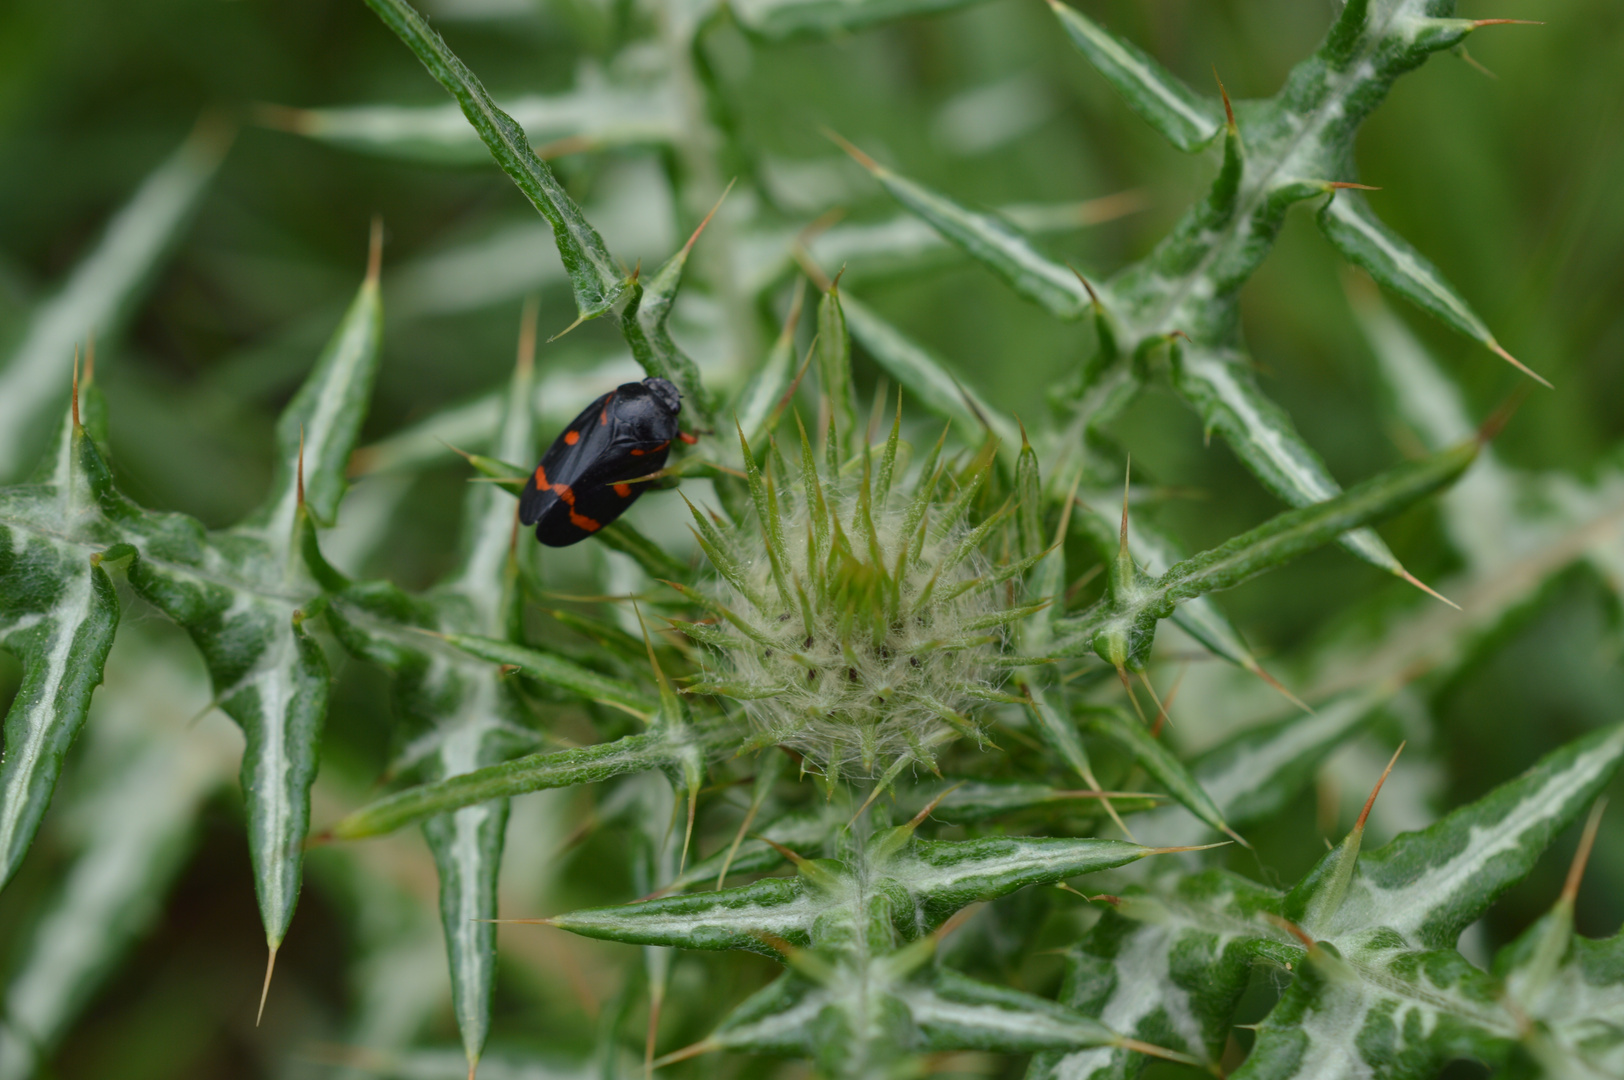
(571, 438)
(603, 413)
(541, 478)
(623, 490)
(637, 452)
(581, 521)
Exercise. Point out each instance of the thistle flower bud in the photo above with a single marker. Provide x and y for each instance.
(856, 625)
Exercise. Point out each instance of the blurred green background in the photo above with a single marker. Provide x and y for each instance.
(1509, 182)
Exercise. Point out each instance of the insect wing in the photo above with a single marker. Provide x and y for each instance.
(566, 461)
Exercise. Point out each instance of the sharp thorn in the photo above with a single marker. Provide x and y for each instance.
(1258, 670)
(1429, 590)
(720, 199)
(1229, 110)
(1122, 539)
(1092, 295)
(685, 1053)
(1151, 1050)
(857, 155)
(1294, 930)
(76, 424)
(375, 249)
(919, 818)
(1499, 350)
(1470, 59)
(579, 319)
(1191, 847)
(265, 991)
(1364, 814)
(1576, 872)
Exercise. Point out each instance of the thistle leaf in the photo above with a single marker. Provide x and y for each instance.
(777, 20)
(102, 290)
(592, 270)
(1428, 886)
(926, 378)
(925, 883)
(1123, 628)
(130, 830)
(1223, 392)
(989, 240)
(1169, 969)
(644, 324)
(596, 113)
(534, 772)
(463, 717)
(832, 354)
(1153, 551)
(970, 802)
(1156, 759)
(1259, 771)
(757, 406)
(1366, 242)
(1185, 118)
(555, 671)
(238, 593)
(58, 613)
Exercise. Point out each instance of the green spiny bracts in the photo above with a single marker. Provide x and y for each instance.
(857, 623)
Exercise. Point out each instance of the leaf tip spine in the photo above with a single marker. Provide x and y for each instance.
(694, 237)
(1428, 589)
(1500, 351)
(857, 155)
(1370, 801)
(375, 251)
(265, 990)
(1587, 840)
(1229, 110)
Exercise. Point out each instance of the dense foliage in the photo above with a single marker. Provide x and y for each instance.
(998, 784)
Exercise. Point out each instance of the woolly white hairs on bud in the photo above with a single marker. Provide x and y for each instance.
(875, 666)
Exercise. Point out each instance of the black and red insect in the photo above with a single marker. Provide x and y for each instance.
(584, 479)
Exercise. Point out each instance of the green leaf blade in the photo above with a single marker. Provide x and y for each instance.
(467, 847)
(779, 20)
(60, 614)
(1156, 759)
(103, 289)
(1430, 885)
(1228, 400)
(1364, 240)
(729, 919)
(993, 242)
(1183, 117)
(597, 112)
(596, 279)
(324, 418)
(557, 672)
(947, 875)
(927, 378)
(563, 768)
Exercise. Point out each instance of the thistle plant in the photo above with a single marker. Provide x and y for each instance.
(880, 706)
